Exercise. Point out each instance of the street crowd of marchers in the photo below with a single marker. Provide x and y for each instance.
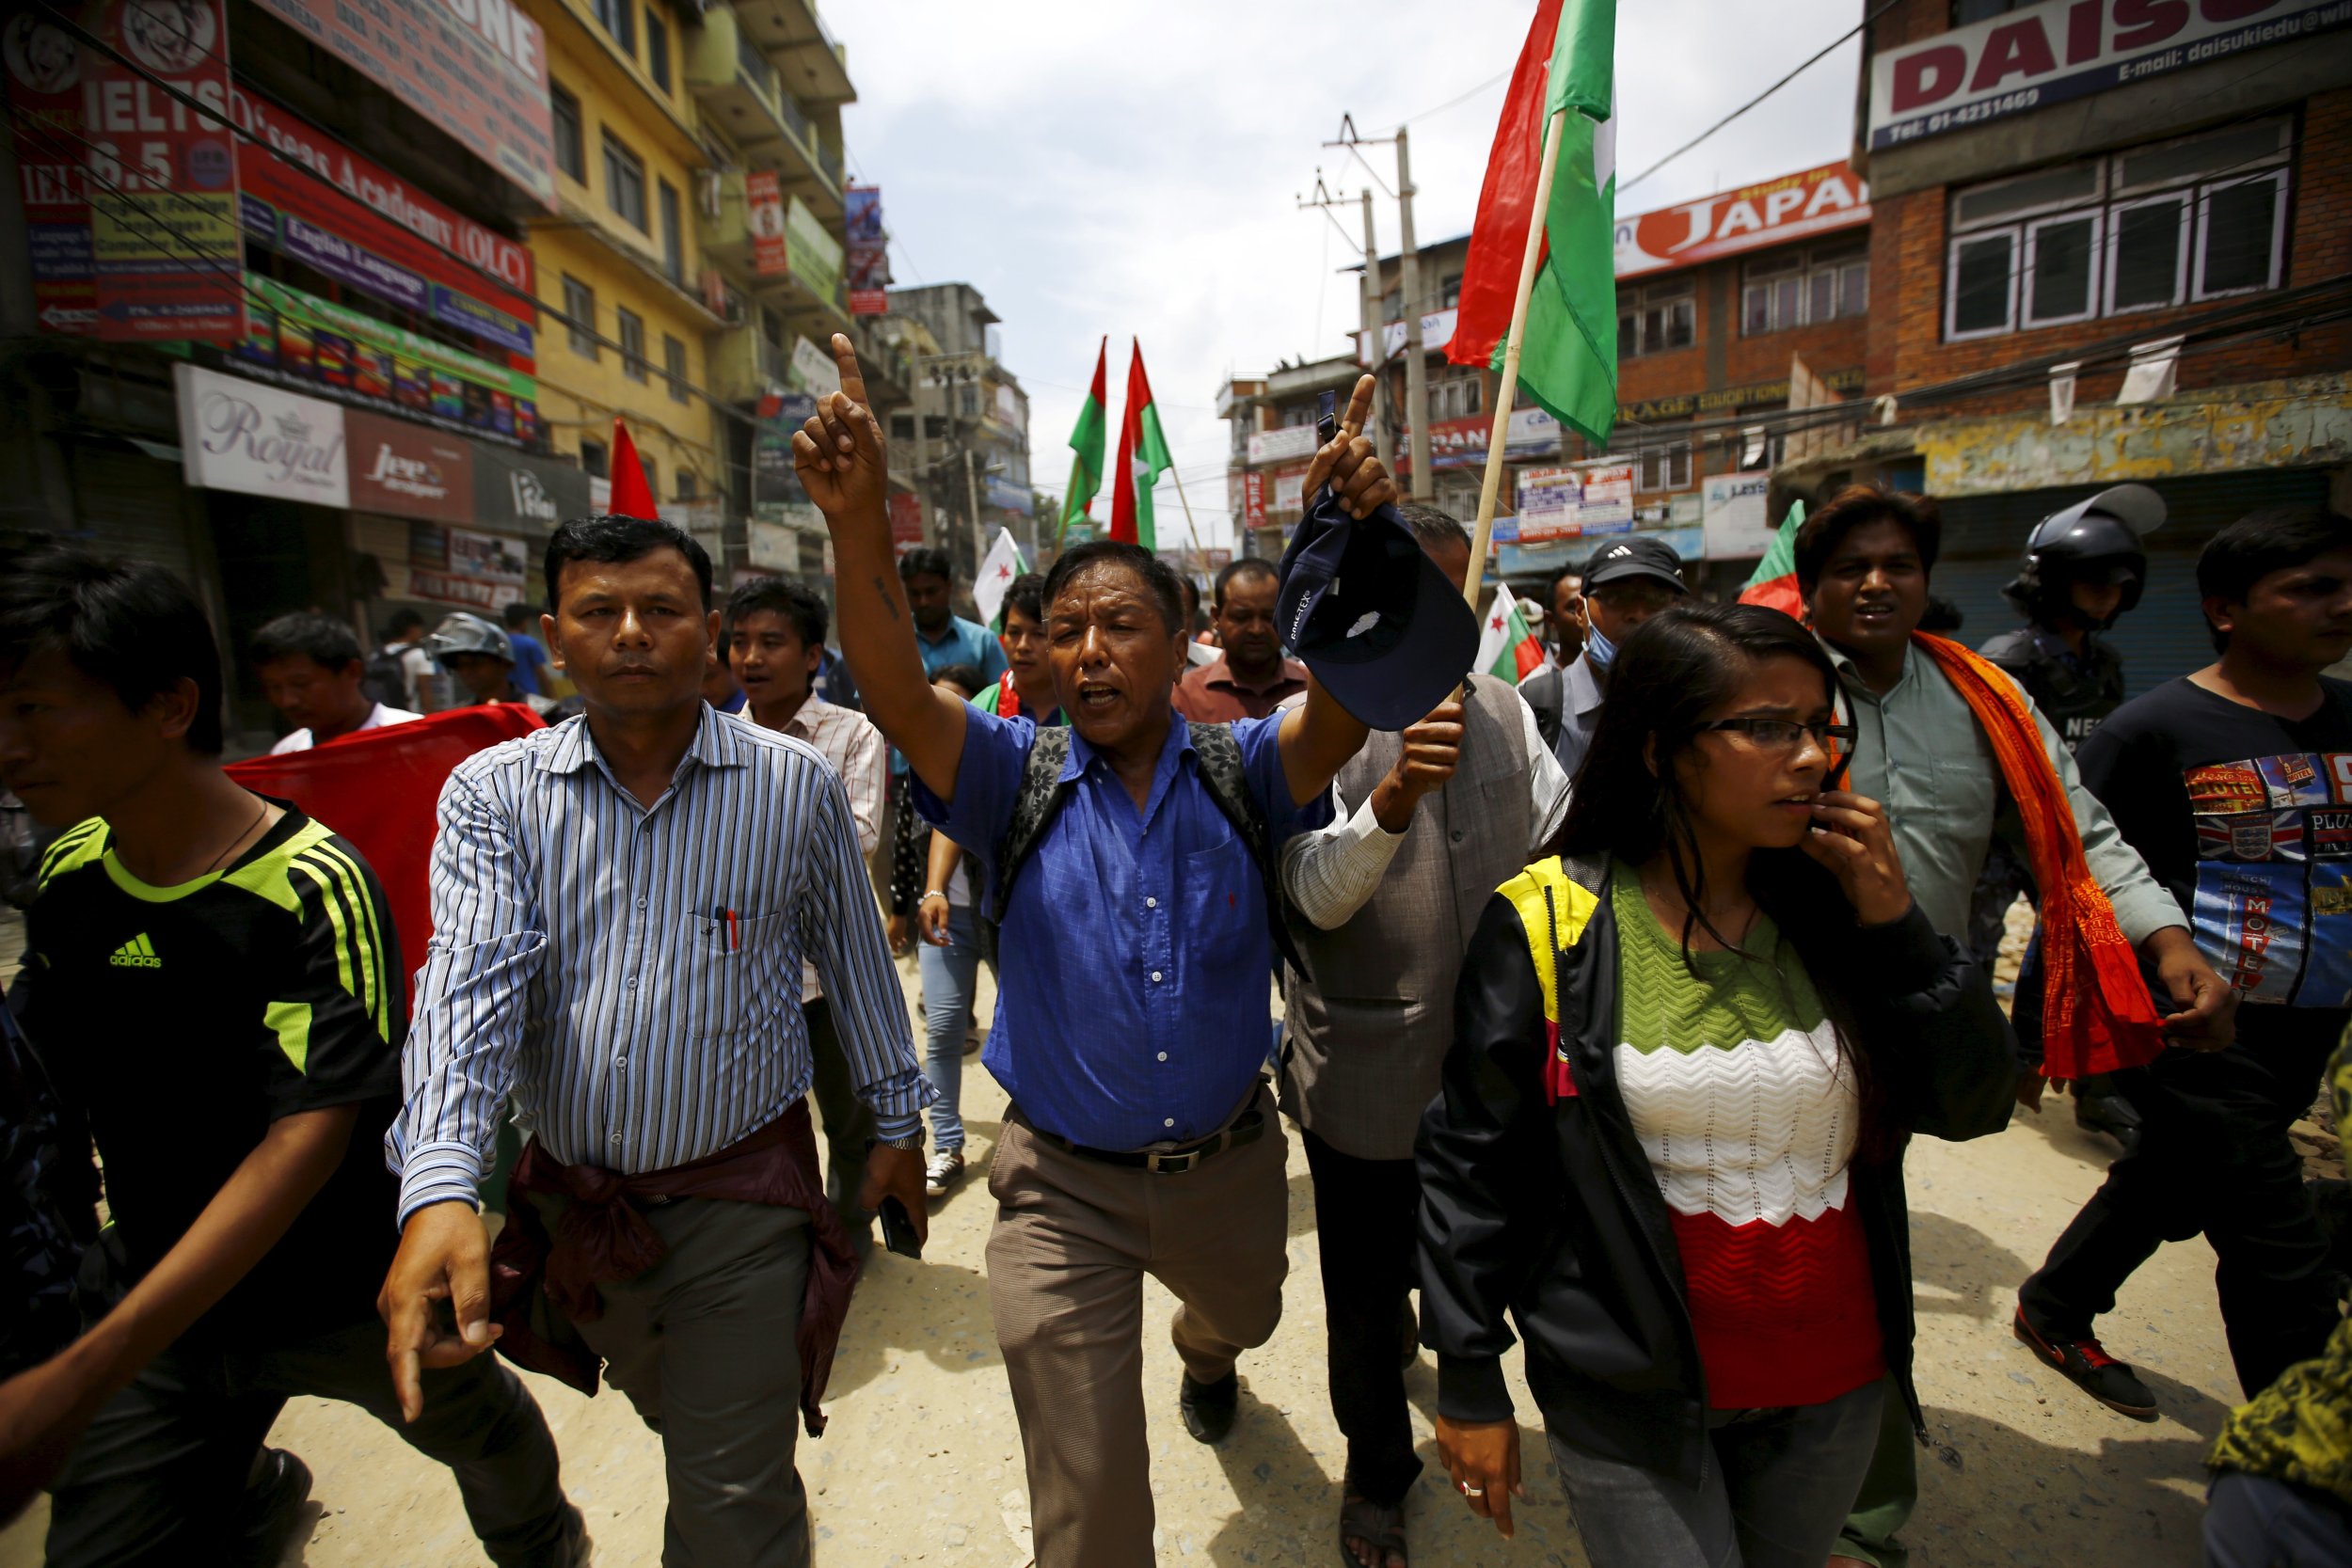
(1609, 1003)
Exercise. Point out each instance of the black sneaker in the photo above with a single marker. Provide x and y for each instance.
(274, 1490)
(1208, 1407)
(2083, 1363)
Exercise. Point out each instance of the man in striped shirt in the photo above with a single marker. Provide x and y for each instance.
(775, 640)
(621, 908)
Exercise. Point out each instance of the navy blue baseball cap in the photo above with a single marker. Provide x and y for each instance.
(1363, 607)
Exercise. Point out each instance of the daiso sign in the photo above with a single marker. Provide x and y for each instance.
(2037, 56)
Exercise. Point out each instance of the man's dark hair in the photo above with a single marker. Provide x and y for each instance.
(784, 597)
(621, 539)
(1248, 567)
(1857, 506)
(1942, 617)
(403, 622)
(1159, 577)
(306, 634)
(2271, 540)
(1191, 592)
(1027, 595)
(1551, 587)
(138, 629)
(963, 675)
(518, 615)
(1432, 525)
(925, 560)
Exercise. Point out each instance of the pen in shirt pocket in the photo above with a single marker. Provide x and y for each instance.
(723, 925)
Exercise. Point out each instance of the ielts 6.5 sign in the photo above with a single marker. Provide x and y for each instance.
(2065, 49)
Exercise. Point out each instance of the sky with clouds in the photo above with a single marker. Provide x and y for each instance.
(1107, 166)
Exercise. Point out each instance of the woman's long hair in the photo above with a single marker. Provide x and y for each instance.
(1682, 666)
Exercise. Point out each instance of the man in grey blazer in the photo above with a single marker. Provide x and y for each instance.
(1427, 824)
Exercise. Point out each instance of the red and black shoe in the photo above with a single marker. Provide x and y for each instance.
(2091, 1369)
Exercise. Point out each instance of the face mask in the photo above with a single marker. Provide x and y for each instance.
(1597, 648)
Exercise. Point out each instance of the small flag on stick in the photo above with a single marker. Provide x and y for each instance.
(1086, 443)
(631, 496)
(1774, 583)
(1003, 563)
(1142, 458)
(1508, 648)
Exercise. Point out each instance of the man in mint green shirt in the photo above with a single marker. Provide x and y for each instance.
(1863, 562)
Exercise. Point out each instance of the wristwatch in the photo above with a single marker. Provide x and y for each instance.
(910, 1144)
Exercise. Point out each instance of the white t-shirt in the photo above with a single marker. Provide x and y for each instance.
(377, 718)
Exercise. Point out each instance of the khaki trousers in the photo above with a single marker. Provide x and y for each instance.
(1066, 1261)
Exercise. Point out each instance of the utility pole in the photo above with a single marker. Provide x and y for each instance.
(1416, 366)
(1375, 338)
(972, 492)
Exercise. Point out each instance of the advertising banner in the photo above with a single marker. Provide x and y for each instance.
(1462, 443)
(1253, 501)
(161, 178)
(44, 75)
(1771, 212)
(482, 572)
(300, 338)
(763, 203)
(774, 547)
(477, 69)
(996, 490)
(1733, 520)
(525, 494)
(374, 231)
(1437, 330)
(867, 261)
(906, 520)
(408, 470)
(813, 371)
(815, 255)
(2037, 55)
(238, 435)
(1280, 445)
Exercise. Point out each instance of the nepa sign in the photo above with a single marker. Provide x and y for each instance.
(2065, 49)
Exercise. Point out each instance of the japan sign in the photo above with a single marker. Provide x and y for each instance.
(1771, 212)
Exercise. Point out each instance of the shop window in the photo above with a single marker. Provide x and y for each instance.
(656, 50)
(632, 335)
(592, 460)
(674, 366)
(1799, 288)
(580, 307)
(1455, 395)
(620, 19)
(625, 183)
(902, 427)
(1663, 467)
(653, 474)
(571, 151)
(2195, 218)
(673, 232)
(1656, 319)
(686, 487)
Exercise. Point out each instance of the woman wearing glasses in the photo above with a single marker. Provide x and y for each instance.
(1685, 1055)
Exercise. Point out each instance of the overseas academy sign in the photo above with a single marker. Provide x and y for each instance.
(2066, 49)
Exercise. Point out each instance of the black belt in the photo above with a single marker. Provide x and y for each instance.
(1246, 1129)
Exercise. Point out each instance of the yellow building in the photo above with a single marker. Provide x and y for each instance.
(623, 259)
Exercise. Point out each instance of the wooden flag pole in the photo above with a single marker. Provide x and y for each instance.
(1500, 437)
(1192, 536)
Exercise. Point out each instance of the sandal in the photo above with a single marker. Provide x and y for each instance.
(1365, 1520)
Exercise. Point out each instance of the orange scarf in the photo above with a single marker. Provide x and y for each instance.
(2097, 1016)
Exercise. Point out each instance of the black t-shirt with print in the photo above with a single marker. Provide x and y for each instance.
(184, 1020)
(2246, 818)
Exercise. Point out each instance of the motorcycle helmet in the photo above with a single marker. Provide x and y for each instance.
(2099, 539)
(461, 633)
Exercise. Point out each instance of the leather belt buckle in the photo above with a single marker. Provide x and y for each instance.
(1174, 1164)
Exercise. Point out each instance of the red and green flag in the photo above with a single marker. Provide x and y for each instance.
(1142, 458)
(1508, 648)
(1773, 582)
(1086, 440)
(1569, 346)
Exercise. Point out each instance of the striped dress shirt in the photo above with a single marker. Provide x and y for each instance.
(631, 974)
(849, 740)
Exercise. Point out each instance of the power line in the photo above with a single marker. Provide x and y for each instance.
(1885, 5)
(1457, 100)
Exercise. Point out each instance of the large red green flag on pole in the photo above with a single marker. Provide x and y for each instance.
(1569, 348)
(1086, 440)
(1774, 581)
(1142, 458)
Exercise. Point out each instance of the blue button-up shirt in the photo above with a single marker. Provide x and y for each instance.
(963, 642)
(1133, 963)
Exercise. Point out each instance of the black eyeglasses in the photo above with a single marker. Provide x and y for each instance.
(1782, 734)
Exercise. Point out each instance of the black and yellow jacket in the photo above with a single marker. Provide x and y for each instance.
(1538, 1202)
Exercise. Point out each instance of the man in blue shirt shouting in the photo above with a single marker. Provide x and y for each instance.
(1128, 862)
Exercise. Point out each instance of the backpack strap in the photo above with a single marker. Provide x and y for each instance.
(1228, 781)
(1034, 809)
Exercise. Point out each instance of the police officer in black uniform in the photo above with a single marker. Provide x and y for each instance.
(2084, 570)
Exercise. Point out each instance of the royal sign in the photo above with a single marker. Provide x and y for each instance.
(237, 434)
(1771, 212)
(2067, 49)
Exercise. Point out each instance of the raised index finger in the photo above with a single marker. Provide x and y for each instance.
(853, 378)
(1358, 406)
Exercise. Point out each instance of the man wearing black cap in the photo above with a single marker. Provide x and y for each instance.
(1626, 581)
(1131, 1023)
(1435, 818)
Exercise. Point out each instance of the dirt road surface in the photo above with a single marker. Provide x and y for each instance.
(922, 1462)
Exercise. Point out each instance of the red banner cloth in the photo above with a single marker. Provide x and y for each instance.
(379, 789)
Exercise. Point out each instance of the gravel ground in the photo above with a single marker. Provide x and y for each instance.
(922, 1462)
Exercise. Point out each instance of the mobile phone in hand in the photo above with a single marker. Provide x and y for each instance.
(1327, 417)
(898, 1230)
